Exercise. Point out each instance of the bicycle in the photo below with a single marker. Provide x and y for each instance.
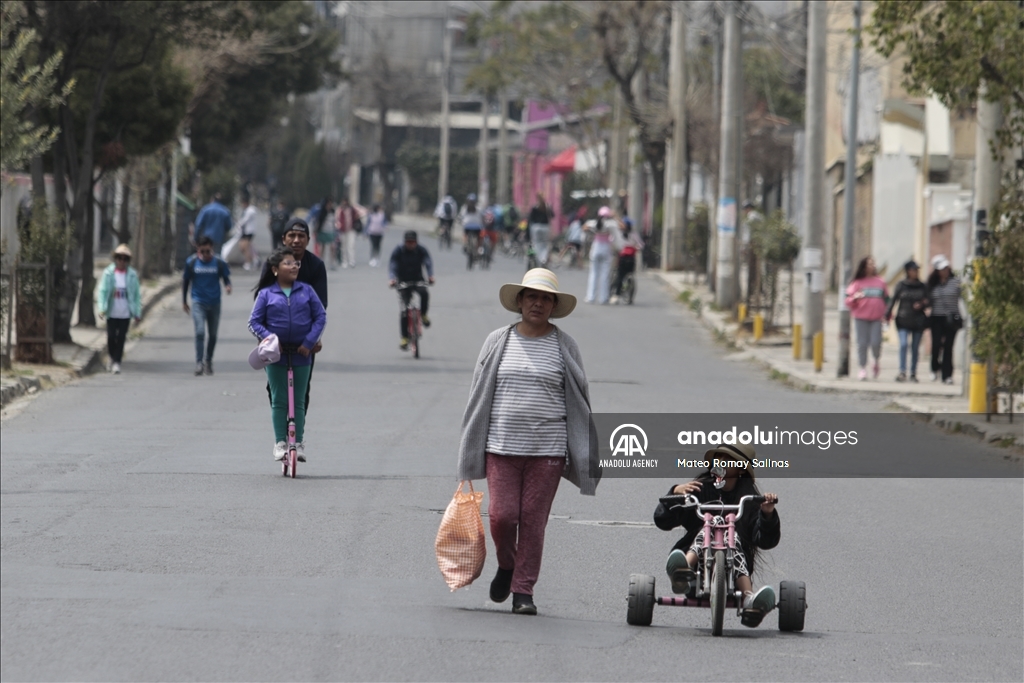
(413, 321)
(472, 247)
(531, 257)
(715, 586)
(444, 234)
(629, 287)
(485, 250)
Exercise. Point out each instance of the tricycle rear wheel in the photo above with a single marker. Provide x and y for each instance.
(718, 582)
(792, 605)
(640, 611)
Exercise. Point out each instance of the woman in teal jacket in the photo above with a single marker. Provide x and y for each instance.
(118, 299)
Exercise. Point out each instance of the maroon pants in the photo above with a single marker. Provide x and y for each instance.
(521, 490)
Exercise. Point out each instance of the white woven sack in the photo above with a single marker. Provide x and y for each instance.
(460, 545)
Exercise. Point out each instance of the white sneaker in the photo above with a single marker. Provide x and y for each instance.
(115, 368)
(935, 377)
(300, 454)
(280, 450)
(613, 300)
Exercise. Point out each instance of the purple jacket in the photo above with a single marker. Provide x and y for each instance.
(297, 320)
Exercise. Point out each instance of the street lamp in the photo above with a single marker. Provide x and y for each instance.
(449, 26)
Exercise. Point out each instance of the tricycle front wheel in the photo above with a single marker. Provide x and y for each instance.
(718, 599)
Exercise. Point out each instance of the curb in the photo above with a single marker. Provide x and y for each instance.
(720, 325)
(20, 387)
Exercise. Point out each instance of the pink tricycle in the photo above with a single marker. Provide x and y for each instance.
(715, 586)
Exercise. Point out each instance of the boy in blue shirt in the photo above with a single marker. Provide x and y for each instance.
(205, 270)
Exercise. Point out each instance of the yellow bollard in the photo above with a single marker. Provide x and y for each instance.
(741, 313)
(978, 391)
(758, 326)
(797, 340)
(819, 350)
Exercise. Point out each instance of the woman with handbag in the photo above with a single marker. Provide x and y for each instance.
(911, 297)
(945, 319)
(527, 425)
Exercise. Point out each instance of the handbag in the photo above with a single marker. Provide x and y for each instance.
(460, 546)
(955, 320)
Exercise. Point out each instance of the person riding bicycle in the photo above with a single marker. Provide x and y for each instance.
(574, 237)
(629, 246)
(472, 223)
(407, 263)
(292, 310)
(756, 529)
(446, 211)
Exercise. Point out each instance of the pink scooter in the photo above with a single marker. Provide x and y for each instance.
(715, 586)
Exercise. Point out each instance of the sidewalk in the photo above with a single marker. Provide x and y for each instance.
(946, 405)
(86, 353)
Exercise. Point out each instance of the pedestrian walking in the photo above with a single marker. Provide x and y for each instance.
(119, 299)
(346, 221)
(540, 229)
(312, 272)
(214, 221)
(866, 297)
(290, 309)
(247, 231)
(526, 425)
(911, 300)
(278, 219)
(204, 271)
(945, 319)
(598, 283)
(629, 245)
(376, 224)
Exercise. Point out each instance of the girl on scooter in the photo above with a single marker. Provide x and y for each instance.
(291, 310)
(754, 530)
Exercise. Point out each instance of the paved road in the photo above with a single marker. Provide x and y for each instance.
(147, 534)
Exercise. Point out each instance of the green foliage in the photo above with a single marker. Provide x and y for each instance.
(284, 50)
(697, 232)
(423, 165)
(771, 81)
(45, 234)
(952, 46)
(775, 243)
(23, 87)
(220, 179)
(995, 290)
(312, 178)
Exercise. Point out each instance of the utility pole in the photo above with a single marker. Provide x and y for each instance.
(615, 150)
(442, 179)
(502, 192)
(814, 174)
(483, 183)
(677, 171)
(716, 115)
(637, 169)
(849, 196)
(725, 273)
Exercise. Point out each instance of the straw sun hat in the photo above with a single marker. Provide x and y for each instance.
(542, 280)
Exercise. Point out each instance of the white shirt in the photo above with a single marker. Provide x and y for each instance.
(119, 306)
(247, 223)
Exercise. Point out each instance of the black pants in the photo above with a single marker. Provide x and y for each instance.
(627, 264)
(943, 338)
(375, 245)
(117, 333)
(406, 295)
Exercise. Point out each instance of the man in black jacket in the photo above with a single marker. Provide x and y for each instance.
(407, 263)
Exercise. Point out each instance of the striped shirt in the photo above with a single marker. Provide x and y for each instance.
(528, 410)
(945, 298)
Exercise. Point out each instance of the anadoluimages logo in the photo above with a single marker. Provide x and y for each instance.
(628, 443)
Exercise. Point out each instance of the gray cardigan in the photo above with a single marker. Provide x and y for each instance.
(476, 422)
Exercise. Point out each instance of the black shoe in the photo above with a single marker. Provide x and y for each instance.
(523, 604)
(208, 368)
(501, 586)
(426, 321)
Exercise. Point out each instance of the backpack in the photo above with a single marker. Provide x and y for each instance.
(357, 223)
(448, 213)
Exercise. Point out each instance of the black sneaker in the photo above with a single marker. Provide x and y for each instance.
(523, 604)
(199, 369)
(208, 368)
(501, 586)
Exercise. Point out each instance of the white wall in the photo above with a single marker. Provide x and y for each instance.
(893, 215)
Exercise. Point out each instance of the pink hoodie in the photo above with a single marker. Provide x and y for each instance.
(872, 305)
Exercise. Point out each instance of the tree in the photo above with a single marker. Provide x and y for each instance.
(951, 47)
(546, 51)
(26, 89)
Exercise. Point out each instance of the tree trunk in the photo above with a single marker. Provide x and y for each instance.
(386, 179)
(65, 288)
(86, 314)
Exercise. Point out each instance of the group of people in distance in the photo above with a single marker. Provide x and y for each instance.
(933, 305)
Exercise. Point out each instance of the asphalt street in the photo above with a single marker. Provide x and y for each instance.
(148, 535)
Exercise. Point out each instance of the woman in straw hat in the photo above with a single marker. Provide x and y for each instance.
(118, 299)
(527, 424)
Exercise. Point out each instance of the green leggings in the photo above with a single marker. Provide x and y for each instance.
(277, 376)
